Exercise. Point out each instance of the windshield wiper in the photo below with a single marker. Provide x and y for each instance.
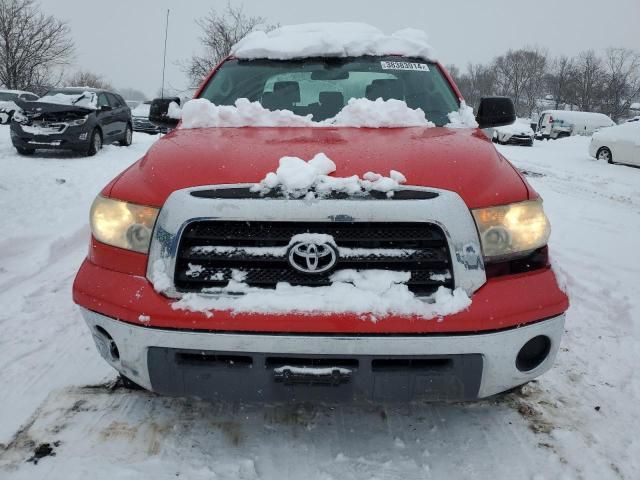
(78, 99)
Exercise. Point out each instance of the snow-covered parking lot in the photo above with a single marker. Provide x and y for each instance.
(58, 401)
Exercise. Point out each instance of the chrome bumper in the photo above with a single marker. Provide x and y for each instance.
(498, 349)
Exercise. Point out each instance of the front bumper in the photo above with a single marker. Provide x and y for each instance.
(143, 125)
(262, 367)
(70, 139)
(520, 141)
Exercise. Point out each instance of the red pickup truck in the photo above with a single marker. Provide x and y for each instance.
(465, 221)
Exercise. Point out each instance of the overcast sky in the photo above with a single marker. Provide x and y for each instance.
(123, 39)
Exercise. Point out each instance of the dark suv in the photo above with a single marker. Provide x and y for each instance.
(79, 119)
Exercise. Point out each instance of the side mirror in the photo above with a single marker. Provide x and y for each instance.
(159, 113)
(495, 112)
(106, 108)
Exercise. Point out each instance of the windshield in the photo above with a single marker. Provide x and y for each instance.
(322, 86)
(7, 97)
(76, 98)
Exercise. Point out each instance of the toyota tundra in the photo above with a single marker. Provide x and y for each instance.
(212, 274)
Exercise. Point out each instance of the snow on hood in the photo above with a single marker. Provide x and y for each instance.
(348, 39)
(359, 112)
(141, 110)
(362, 112)
(519, 127)
(201, 113)
(629, 131)
(463, 118)
(297, 178)
(83, 100)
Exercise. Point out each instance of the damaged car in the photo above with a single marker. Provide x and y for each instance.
(8, 105)
(77, 119)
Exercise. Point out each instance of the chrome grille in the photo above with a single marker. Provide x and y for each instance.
(210, 252)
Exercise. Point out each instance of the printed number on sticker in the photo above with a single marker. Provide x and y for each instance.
(419, 67)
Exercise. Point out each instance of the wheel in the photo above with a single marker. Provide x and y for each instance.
(25, 151)
(95, 144)
(128, 384)
(604, 154)
(128, 136)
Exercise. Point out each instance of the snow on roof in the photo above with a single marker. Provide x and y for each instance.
(629, 131)
(591, 118)
(347, 39)
(635, 106)
(519, 127)
(17, 92)
(360, 112)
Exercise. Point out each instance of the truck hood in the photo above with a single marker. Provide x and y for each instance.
(33, 108)
(460, 160)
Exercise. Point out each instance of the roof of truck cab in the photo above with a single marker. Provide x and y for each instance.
(18, 92)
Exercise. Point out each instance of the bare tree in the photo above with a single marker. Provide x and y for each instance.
(535, 69)
(220, 31)
(520, 75)
(477, 82)
(562, 81)
(454, 71)
(32, 45)
(590, 81)
(85, 78)
(622, 81)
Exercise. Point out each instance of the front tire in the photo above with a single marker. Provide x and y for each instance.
(25, 151)
(95, 144)
(128, 137)
(128, 384)
(604, 154)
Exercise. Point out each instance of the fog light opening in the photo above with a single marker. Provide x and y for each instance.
(109, 343)
(533, 353)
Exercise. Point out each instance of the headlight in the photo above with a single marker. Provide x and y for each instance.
(512, 230)
(78, 122)
(122, 224)
(19, 117)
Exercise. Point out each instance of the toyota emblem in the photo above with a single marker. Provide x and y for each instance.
(309, 257)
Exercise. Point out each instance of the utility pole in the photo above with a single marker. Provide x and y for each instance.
(164, 60)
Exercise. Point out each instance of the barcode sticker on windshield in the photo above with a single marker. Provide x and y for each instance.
(418, 67)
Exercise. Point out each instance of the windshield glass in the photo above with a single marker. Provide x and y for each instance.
(76, 98)
(322, 86)
(7, 97)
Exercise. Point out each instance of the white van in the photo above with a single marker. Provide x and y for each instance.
(564, 123)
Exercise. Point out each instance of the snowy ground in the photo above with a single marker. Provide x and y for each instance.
(578, 421)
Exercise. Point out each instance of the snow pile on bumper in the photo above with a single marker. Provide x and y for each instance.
(372, 293)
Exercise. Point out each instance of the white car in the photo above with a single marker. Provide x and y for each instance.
(518, 133)
(619, 144)
(554, 124)
(7, 104)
